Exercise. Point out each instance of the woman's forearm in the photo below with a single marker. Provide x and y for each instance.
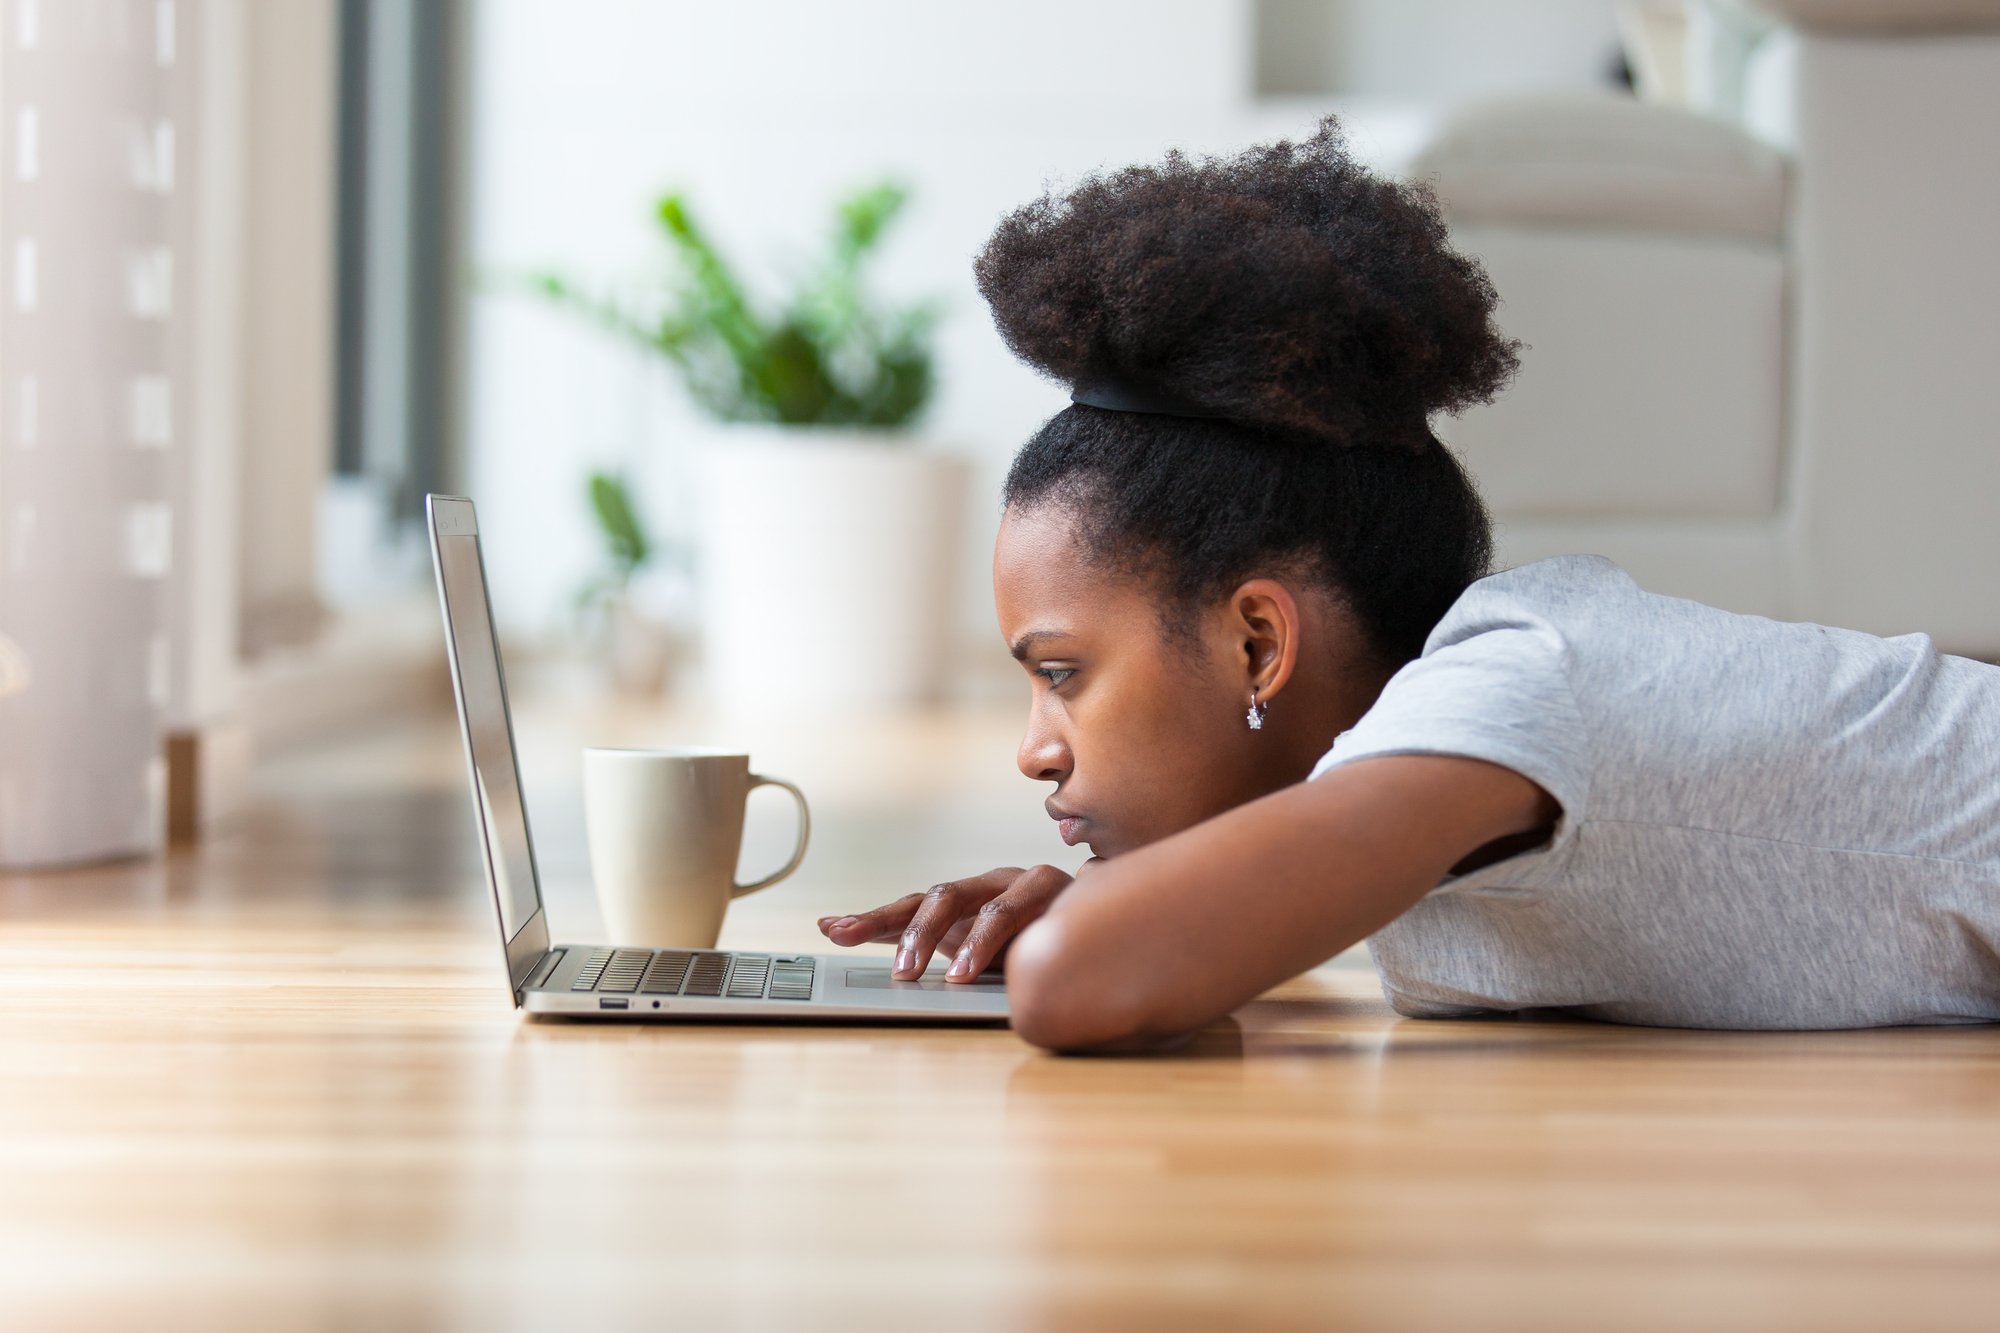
(1163, 939)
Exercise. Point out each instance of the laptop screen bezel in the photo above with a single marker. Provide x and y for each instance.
(453, 516)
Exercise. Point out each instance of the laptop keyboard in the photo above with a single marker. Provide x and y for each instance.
(703, 972)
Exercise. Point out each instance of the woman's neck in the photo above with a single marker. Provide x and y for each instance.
(1320, 707)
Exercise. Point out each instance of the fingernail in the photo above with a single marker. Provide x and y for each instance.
(906, 960)
(844, 922)
(961, 964)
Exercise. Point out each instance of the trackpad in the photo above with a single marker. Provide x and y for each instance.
(877, 978)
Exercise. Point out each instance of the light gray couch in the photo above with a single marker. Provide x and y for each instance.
(1765, 353)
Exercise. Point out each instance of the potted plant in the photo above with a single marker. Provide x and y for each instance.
(826, 532)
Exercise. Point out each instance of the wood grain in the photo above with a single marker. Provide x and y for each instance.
(272, 1081)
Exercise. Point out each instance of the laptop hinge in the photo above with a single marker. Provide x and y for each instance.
(542, 969)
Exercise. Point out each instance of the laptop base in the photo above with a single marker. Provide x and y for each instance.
(671, 985)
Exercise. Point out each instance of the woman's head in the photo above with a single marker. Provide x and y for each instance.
(1318, 318)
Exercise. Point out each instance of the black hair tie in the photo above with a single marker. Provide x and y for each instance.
(1125, 395)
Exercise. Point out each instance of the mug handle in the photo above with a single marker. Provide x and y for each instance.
(798, 853)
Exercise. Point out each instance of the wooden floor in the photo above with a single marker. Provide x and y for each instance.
(275, 1083)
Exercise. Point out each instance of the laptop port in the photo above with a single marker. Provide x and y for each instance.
(608, 1002)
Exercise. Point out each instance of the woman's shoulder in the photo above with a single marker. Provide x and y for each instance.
(1654, 674)
(1560, 576)
(1553, 587)
(1591, 605)
(1628, 657)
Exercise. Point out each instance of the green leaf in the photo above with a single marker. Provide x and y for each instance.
(719, 299)
(619, 520)
(863, 216)
(828, 356)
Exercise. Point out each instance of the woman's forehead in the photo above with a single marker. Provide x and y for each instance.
(1038, 532)
(1042, 572)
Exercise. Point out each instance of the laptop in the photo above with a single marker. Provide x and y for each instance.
(627, 982)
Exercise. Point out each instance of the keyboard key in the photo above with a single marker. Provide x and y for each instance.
(668, 970)
(593, 968)
(707, 974)
(791, 982)
(746, 979)
(625, 969)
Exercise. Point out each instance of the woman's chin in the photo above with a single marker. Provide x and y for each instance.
(1106, 843)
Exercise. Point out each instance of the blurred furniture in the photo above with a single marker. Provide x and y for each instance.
(87, 133)
(1762, 333)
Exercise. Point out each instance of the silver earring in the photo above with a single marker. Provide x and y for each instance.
(1255, 717)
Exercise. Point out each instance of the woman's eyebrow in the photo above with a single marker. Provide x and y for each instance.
(1021, 646)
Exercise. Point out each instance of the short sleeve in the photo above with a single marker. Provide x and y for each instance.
(1499, 692)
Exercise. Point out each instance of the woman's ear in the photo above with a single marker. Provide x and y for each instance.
(1265, 617)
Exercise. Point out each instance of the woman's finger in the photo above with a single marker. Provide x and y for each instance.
(942, 907)
(1002, 917)
(886, 924)
(953, 938)
(883, 923)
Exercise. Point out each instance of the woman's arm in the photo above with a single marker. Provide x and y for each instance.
(1173, 935)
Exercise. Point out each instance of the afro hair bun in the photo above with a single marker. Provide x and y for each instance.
(1285, 287)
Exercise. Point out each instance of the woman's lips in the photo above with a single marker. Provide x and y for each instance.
(1071, 827)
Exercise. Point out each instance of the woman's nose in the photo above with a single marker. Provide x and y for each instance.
(1043, 756)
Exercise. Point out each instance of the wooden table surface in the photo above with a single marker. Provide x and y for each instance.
(274, 1082)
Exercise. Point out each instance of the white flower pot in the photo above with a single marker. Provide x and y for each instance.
(637, 650)
(825, 567)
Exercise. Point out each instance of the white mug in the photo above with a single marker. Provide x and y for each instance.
(665, 828)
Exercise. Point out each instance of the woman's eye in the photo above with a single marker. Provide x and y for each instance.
(1055, 675)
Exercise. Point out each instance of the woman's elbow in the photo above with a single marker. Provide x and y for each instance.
(1061, 999)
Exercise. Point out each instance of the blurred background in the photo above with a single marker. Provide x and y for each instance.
(680, 293)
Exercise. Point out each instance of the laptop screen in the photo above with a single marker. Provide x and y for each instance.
(482, 702)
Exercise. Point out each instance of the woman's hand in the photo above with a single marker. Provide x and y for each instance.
(972, 919)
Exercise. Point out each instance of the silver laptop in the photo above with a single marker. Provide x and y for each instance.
(611, 981)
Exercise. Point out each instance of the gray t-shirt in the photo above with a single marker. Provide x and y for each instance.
(1764, 825)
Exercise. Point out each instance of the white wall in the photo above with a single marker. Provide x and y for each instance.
(583, 112)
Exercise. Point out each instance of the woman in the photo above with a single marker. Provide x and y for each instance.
(1286, 708)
